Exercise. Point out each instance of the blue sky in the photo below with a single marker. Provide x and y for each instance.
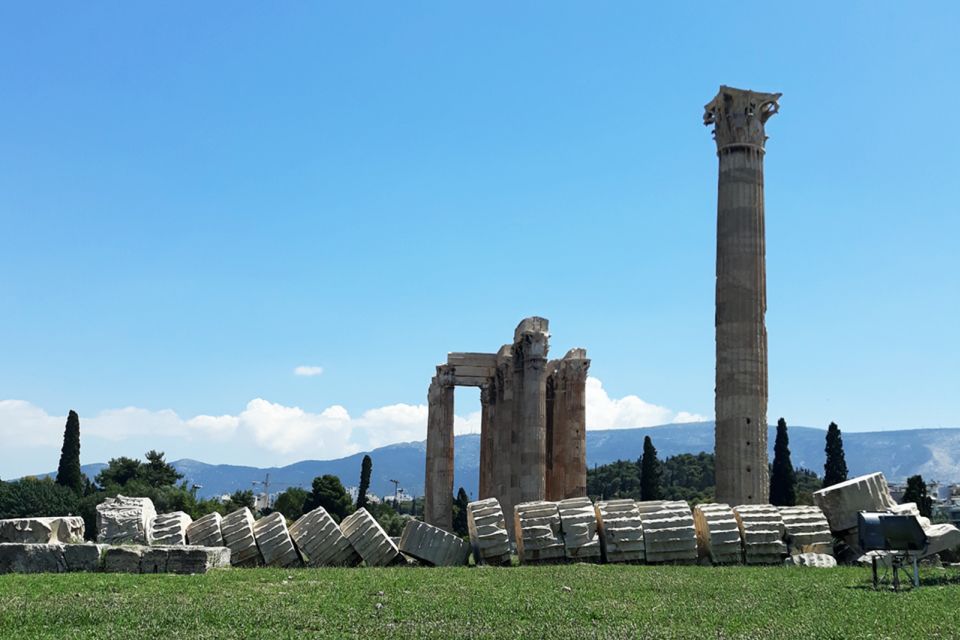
(196, 200)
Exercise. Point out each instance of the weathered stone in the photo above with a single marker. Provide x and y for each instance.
(718, 533)
(621, 531)
(369, 539)
(83, 557)
(738, 117)
(21, 557)
(669, 534)
(320, 540)
(123, 558)
(841, 503)
(488, 532)
(237, 529)
(183, 559)
(578, 526)
(807, 530)
(433, 545)
(205, 531)
(819, 560)
(762, 532)
(67, 529)
(566, 464)
(171, 528)
(123, 520)
(274, 541)
(538, 532)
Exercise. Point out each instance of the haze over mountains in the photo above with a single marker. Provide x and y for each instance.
(935, 453)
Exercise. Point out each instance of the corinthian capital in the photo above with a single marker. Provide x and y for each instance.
(738, 116)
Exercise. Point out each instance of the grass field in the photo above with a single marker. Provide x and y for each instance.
(563, 601)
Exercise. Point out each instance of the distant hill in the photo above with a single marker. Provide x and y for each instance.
(935, 453)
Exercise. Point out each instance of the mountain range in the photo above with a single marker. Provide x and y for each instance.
(934, 453)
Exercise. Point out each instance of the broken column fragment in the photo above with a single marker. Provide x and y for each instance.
(807, 530)
(842, 502)
(320, 540)
(819, 560)
(669, 534)
(718, 533)
(620, 530)
(171, 528)
(205, 531)
(369, 539)
(274, 541)
(433, 545)
(578, 524)
(67, 529)
(488, 532)
(125, 520)
(762, 532)
(237, 529)
(537, 526)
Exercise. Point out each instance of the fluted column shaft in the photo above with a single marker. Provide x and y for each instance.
(438, 485)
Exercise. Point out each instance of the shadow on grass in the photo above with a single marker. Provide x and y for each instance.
(942, 578)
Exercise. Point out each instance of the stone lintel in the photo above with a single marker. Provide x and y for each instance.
(472, 359)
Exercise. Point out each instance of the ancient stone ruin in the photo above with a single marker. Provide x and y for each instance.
(738, 119)
(533, 424)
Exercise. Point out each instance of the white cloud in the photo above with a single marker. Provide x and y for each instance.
(308, 371)
(264, 433)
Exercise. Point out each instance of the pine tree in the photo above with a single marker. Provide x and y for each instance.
(835, 468)
(783, 479)
(651, 473)
(68, 472)
(917, 492)
(365, 468)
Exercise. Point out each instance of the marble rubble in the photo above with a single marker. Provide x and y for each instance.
(818, 560)
(762, 532)
(669, 534)
(28, 557)
(125, 520)
(321, 542)
(620, 529)
(578, 524)
(841, 503)
(171, 528)
(179, 559)
(807, 530)
(66, 529)
(537, 526)
(718, 533)
(488, 532)
(369, 539)
(273, 540)
(433, 546)
(238, 536)
(205, 531)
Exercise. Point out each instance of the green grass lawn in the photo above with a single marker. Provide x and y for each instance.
(561, 601)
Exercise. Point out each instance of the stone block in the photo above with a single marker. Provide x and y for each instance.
(125, 520)
(432, 545)
(807, 530)
(237, 529)
(578, 526)
(762, 532)
(171, 528)
(205, 531)
(620, 530)
(819, 560)
(369, 539)
(182, 559)
(67, 529)
(669, 534)
(537, 526)
(841, 503)
(83, 557)
(488, 532)
(718, 533)
(24, 557)
(274, 541)
(321, 542)
(123, 559)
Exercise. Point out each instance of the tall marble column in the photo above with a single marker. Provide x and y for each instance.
(530, 362)
(438, 485)
(738, 117)
(487, 420)
(503, 448)
(567, 462)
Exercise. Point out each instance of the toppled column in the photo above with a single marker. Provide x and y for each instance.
(807, 530)
(237, 529)
(488, 532)
(319, 538)
(718, 533)
(67, 529)
(669, 534)
(171, 528)
(369, 539)
(205, 531)
(738, 117)
(621, 531)
(433, 545)
(578, 524)
(566, 426)
(762, 531)
(530, 347)
(438, 485)
(842, 502)
(537, 526)
(123, 520)
(274, 541)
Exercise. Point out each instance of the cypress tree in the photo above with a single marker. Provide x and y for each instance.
(917, 492)
(783, 480)
(460, 513)
(835, 468)
(651, 473)
(365, 468)
(68, 472)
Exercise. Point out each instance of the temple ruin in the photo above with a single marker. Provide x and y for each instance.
(532, 428)
(738, 118)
